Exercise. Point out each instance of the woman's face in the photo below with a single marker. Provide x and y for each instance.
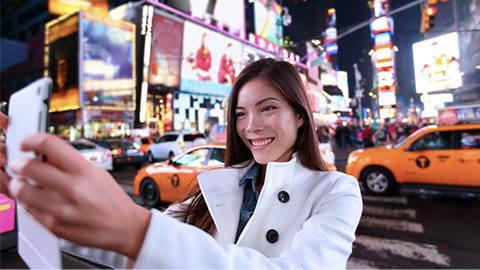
(266, 122)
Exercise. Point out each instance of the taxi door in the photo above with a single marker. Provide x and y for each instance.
(468, 158)
(181, 179)
(430, 160)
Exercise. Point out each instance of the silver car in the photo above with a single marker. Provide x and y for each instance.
(100, 156)
(172, 143)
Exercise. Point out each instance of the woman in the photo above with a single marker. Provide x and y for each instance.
(274, 205)
(203, 61)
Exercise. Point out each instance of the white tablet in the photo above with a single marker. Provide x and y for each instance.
(28, 114)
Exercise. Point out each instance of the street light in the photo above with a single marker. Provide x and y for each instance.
(285, 20)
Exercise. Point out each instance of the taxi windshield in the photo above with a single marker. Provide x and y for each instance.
(402, 142)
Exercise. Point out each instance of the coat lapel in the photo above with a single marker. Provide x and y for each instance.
(223, 196)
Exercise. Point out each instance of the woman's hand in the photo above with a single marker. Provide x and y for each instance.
(75, 199)
(4, 177)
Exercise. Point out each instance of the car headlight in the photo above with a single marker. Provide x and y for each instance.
(352, 158)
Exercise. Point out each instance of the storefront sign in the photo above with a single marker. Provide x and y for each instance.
(108, 116)
(447, 116)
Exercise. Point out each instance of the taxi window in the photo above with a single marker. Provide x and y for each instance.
(434, 141)
(193, 158)
(217, 158)
(470, 139)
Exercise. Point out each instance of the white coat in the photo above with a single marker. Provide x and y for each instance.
(303, 219)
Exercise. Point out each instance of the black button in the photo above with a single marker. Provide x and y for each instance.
(272, 236)
(283, 196)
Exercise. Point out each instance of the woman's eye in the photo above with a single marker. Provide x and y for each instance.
(239, 114)
(268, 108)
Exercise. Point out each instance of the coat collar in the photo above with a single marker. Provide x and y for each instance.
(223, 195)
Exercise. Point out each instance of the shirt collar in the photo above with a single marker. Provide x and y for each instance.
(250, 175)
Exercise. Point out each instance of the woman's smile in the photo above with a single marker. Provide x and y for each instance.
(259, 144)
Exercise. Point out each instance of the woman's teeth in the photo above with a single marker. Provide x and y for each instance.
(262, 143)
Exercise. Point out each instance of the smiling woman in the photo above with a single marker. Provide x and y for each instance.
(274, 205)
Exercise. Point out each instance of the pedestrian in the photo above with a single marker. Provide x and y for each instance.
(367, 136)
(323, 134)
(274, 205)
(381, 135)
(339, 136)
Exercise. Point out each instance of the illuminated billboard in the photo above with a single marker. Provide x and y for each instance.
(386, 98)
(266, 20)
(108, 69)
(437, 63)
(62, 44)
(165, 57)
(211, 61)
(61, 7)
(226, 14)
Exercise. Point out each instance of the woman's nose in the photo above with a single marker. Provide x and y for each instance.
(253, 125)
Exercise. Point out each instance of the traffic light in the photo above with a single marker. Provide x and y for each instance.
(428, 19)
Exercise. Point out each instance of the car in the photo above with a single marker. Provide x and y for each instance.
(144, 142)
(96, 154)
(125, 152)
(171, 180)
(172, 143)
(435, 158)
(328, 156)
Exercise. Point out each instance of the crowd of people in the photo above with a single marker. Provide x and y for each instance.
(352, 135)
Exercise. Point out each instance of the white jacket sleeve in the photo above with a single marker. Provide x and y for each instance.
(324, 241)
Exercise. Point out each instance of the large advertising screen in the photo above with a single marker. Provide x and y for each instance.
(266, 18)
(62, 63)
(166, 53)
(226, 14)
(437, 63)
(108, 68)
(211, 61)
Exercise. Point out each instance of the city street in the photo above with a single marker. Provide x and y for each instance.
(403, 231)
(127, 83)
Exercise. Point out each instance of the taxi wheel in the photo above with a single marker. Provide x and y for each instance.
(378, 181)
(149, 193)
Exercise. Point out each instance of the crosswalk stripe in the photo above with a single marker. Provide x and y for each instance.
(354, 263)
(410, 250)
(392, 224)
(395, 212)
(399, 200)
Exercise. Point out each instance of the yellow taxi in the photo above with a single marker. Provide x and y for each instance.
(434, 158)
(172, 179)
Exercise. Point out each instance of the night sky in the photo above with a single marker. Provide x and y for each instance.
(308, 22)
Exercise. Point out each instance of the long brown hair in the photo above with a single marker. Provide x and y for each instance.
(284, 77)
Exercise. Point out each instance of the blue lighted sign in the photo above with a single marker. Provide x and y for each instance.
(382, 39)
(331, 48)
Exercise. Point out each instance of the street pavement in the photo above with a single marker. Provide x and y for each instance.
(341, 156)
